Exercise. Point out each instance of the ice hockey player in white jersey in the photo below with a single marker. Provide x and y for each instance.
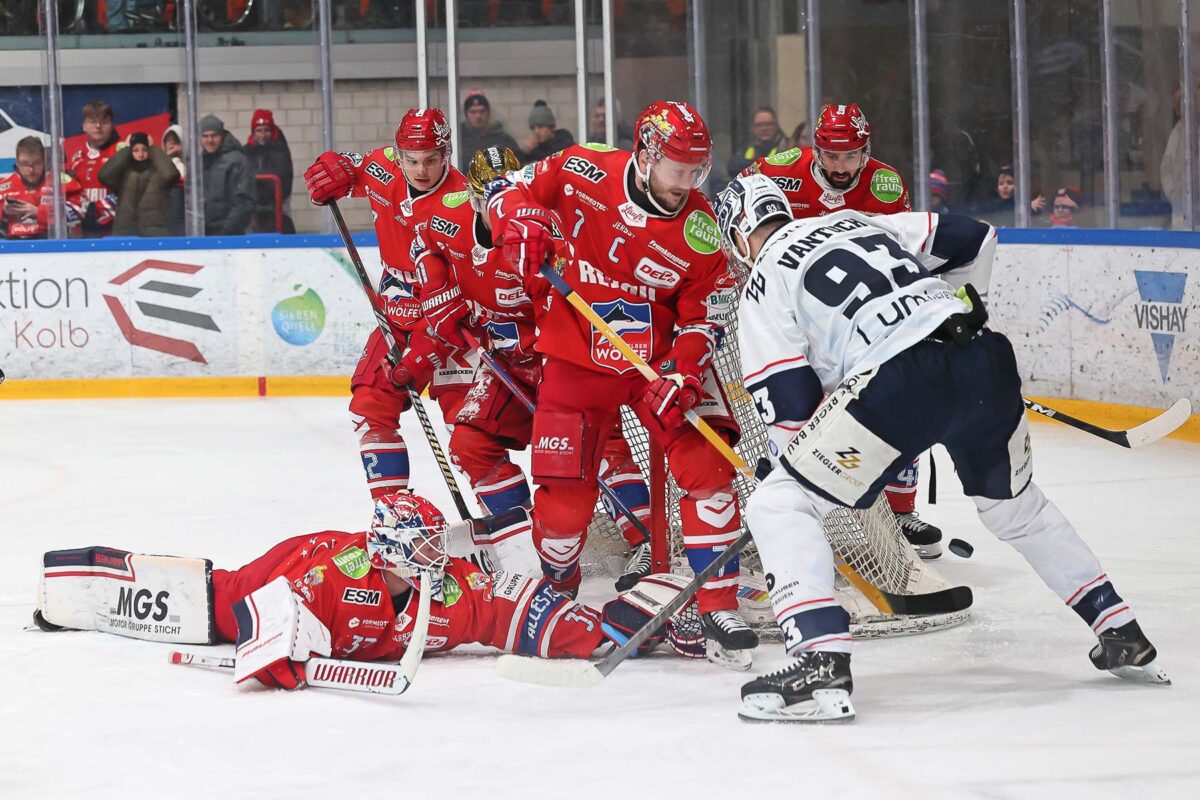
(844, 307)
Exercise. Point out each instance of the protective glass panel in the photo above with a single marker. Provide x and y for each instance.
(1066, 116)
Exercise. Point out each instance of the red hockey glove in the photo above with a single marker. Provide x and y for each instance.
(676, 392)
(425, 355)
(445, 310)
(527, 239)
(331, 177)
(283, 674)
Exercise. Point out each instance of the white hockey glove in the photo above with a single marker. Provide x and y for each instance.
(277, 633)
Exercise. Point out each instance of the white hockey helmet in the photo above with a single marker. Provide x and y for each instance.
(745, 204)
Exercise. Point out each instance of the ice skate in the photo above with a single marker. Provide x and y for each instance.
(815, 687)
(926, 539)
(637, 567)
(1128, 654)
(730, 642)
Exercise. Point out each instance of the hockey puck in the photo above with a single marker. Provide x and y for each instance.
(960, 548)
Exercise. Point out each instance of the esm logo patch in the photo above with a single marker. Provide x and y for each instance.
(444, 226)
(584, 168)
(361, 597)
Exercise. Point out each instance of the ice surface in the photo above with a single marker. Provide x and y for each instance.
(1006, 706)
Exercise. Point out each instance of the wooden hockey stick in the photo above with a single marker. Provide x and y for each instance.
(519, 393)
(350, 676)
(385, 328)
(1148, 432)
(886, 603)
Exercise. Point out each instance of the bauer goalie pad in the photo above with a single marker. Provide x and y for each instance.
(158, 598)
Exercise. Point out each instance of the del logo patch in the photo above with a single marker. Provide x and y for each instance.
(632, 322)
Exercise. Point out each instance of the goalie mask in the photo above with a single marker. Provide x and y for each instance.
(746, 204)
(407, 534)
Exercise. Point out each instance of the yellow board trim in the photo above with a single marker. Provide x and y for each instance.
(98, 388)
(1113, 415)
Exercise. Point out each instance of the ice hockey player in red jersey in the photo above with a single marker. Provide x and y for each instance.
(354, 596)
(467, 281)
(26, 196)
(646, 256)
(101, 142)
(838, 173)
(404, 184)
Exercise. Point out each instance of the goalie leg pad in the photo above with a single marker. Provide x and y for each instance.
(158, 598)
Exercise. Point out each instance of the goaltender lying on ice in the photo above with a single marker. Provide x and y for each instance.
(359, 596)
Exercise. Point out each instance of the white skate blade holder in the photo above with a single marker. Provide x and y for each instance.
(1151, 674)
(826, 705)
(736, 660)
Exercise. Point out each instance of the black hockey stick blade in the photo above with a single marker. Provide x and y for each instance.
(946, 601)
(1148, 432)
(583, 674)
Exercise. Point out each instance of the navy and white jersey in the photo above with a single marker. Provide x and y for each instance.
(834, 296)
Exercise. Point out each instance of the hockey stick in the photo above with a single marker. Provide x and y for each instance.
(582, 674)
(350, 676)
(1148, 432)
(519, 393)
(944, 601)
(385, 328)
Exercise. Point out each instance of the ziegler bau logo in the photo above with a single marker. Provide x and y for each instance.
(849, 459)
(180, 348)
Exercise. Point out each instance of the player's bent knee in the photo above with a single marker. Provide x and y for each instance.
(1015, 517)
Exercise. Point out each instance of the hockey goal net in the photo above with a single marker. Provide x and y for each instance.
(869, 541)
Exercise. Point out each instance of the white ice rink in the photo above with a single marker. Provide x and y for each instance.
(1007, 706)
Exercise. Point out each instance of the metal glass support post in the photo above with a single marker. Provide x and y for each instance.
(194, 225)
(920, 104)
(1187, 108)
(1112, 164)
(699, 48)
(812, 46)
(422, 57)
(452, 73)
(581, 99)
(325, 45)
(610, 100)
(1020, 100)
(58, 222)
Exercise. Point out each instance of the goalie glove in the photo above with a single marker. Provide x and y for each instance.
(277, 633)
(632, 609)
(677, 391)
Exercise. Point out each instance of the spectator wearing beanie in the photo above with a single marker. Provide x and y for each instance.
(141, 175)
(939, 192)
(1067, 202)
(268, 153)
(478, 131)
(544, 138)
(229, 196)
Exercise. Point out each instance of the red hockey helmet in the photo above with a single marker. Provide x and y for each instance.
(424, 129)
(407, 533)
(675, 131)
(841, 129)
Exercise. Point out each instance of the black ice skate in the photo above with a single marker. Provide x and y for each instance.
(815, 687)
(926, 539)
(729, 640)
(1127, 653)
(637, 567)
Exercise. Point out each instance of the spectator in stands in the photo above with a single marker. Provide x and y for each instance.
(478, 131)
(767, 139)
(228, 181)
(939, 192)
(1001, 209)
(801, 137)
(27, 195)
(268, 152)
(1067, 202)
(173, 146)
(101, 142)
(599, 118)
(1171, 169)
(545, 138)
(141, 175)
